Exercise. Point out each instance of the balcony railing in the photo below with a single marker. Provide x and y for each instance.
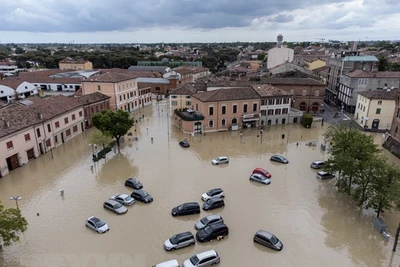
(189, 115)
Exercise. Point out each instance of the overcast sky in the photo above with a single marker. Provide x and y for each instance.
(153, 21)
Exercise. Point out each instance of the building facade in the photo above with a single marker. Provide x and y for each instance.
(375, 109)
(181, 98)
(314, 64)
(279, 55)
(75, 64)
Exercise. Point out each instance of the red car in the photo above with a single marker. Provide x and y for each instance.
(263, 172)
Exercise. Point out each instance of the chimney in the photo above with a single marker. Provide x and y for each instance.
(7, 124)
(40, 116)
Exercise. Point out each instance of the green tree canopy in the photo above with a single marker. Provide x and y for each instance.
(11, 225)
(113, 123)
(100, 139)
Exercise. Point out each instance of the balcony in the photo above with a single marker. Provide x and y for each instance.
(189, 115)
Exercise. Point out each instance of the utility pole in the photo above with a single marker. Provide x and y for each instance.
(396, 238)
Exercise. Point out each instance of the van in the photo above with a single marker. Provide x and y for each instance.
(186, 209)
(318, 164)
(171, 263)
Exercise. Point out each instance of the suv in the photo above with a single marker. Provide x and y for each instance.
(142, 196)
(211, 232)
(210, 219)
(220, 160)
(325, 175)
(216, 192)
(186, 209)
(204, 259)
(263, 172)
(115, 206)
(213, 203)
(179, 241)
(318, 164)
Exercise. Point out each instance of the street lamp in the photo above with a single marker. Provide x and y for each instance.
(94, 146)
(261, 133)
(16, 200)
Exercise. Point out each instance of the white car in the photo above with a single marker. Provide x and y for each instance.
(220, 160)
(259, 178)
(204, 259)
(97, 225)
(216, 192)
(124, 199)
(171, 263)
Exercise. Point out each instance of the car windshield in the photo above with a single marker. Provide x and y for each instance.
(204, 220)
(194, 260)
(208, 230)
(180, 207)
(99, 223)
(174, 239)
(128, 198)
(117, 205)
(144, 194)
(273, 240)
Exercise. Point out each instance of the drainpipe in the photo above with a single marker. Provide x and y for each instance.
(217, 115)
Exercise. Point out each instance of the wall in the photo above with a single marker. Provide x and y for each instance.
(277, 56)
(315, 64)
(93, 108)
(180, 101)
(275, 119)
(385, 117)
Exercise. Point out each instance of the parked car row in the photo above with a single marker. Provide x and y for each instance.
(323, 175)
(118, 204)
(207, 258)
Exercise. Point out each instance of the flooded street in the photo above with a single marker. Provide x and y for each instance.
(317, 226)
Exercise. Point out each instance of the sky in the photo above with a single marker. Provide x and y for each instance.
(184, 21)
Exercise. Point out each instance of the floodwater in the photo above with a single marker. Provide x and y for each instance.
(317, 225)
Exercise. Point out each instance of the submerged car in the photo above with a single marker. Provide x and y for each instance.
(220, 160)
(263, 172)
(279, 158)
(115, 207)
(170, 263)
(213, 203)
(267, 239)
(184, 143)
(212, 231)
(178, 241)
(318, 164)
(133, 183)
(216, 192)
(259, 178)
(96, 224)
(208, 220)
(124, 199)
(188, 208)
(142, 196)
(207, 258)
(325, 175)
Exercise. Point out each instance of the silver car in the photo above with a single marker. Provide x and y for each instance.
(207, 258)
(178, 241)
(210, 219)
(124, 199)
(259, 178)
(115, 206)
(97, 225)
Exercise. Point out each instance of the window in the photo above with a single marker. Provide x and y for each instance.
(378, 111)
(188, 103)
(255, 107)
(174, 103)
(379, 102)
(316, 92)
(211, 111)
(75, 129)
(120, 98)
(223, 110)
(80, 113)
(270, 112)
(304, 92)
(278, 101)
(285, 111)
(157, 88)
(286, 101)
(263, 112)
(65, 120)
(223, 122)
(27, 137)
(57, 124)
(56, 139)
(9, 145)
(271, 102)
(211, 124)
(48, 143)
(98, 88)
(73, 117)
(131, 94)
(234, 109)
(38, 132)
(245, 108)
(364, 108)
(68, 132)
(48, 127)
(277, 111)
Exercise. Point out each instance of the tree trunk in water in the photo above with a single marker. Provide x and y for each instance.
(378, 213)
(349, 186)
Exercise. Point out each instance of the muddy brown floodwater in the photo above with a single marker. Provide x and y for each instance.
(318, 226)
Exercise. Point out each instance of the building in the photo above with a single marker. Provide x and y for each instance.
(279, 55)
(181, 98)
(356, 81)
(30, 128)
(8, 70)
(75, 64)
(342, 64)
(224, 109)
(145, 68)
(302, 59)
(286, 67)
(314, 64)
(308, 93)
(276, 106)
(375, 109)
(120, 85)
(93, 103)
(14, 88)
(186, 75)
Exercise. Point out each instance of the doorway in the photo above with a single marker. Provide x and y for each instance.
(375, 124)
(30, 153)
(62, 137)
(197, 127)
(12, 162)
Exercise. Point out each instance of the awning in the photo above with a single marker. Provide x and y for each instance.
(251, 119)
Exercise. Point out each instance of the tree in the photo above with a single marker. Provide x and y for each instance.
(261, 56)
(383, 64)
(11, 225)
(113, 123)
(100, 139)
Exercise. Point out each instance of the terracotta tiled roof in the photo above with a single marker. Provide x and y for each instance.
(291, 81)
(378, 74)
(184, 71)
(92, 98)
(147, 74)
(53, 106)
(227, 94)
(11, 82)
(380, 94)
(186, 89)
(112, 76)
(265, 90)
(320, 69)
(41, 73)
(18, 117)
